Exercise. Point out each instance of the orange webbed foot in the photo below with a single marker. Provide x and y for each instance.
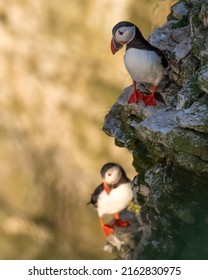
(149, 100)
(122, 223)
(108, 229)
(135, 97)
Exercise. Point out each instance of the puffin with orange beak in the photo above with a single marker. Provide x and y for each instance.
(144, 62)
(112, 196)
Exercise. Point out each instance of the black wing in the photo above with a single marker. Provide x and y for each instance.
(162, 56)
(143, 44)
(94, 196)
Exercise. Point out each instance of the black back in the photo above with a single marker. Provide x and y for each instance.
(139, 42)
(121, 24)
(94, 195)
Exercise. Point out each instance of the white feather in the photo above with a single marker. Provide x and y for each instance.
(125, 34)
(144, 66)
(113, 175)
(118, 199)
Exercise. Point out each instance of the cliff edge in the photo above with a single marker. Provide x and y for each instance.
(169, 145)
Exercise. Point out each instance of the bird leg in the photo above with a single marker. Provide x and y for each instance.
(136, 96)
(120, 223)
(150, 100)
(107, 229)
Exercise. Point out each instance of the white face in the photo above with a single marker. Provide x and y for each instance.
(125, 34)
(113, 175)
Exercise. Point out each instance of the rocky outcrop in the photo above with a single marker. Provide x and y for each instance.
(169, 142)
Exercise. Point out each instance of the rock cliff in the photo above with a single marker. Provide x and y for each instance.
(169, 144)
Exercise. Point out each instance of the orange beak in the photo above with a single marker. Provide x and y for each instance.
(106, 188)
(115, 46)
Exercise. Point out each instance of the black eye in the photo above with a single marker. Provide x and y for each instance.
(120, 32)
(109, 174)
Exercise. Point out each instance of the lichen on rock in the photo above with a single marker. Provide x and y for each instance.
(169, 142)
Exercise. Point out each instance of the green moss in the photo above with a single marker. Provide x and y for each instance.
(177, 208)
(195, 20)
(184, 21)
(134, 208)
(189, 5)
(203, 79)
(140, 157)
(193, 85)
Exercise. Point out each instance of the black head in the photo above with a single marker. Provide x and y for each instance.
(112, 173)
(123, 33)
(121, 24)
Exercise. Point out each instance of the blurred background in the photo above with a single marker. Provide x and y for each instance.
(58, 79)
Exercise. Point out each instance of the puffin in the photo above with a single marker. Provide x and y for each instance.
(143, 61)
(112, 196)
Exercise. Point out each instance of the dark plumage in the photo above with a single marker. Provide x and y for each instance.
(144, 62)
(94, 195)
(139, 42)
(112, 196)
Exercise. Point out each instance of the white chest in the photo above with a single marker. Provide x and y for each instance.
(118, 199)
(143, 66)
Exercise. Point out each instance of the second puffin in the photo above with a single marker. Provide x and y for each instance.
(144, 62)
(112, 196)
